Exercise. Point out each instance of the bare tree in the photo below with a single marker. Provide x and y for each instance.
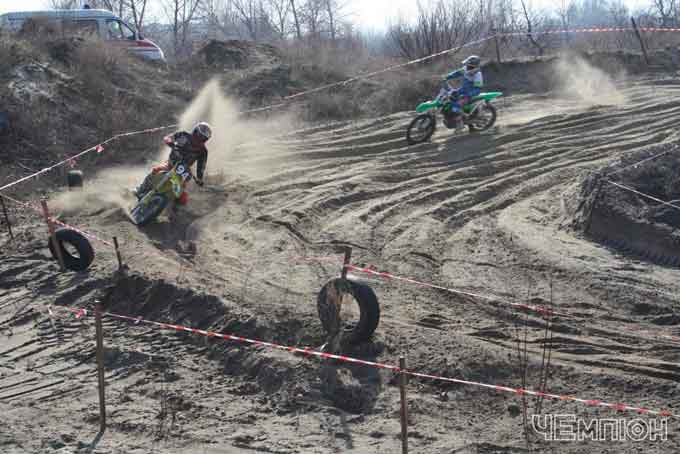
(439, 26)
(250, 14)
(296, 18)
(180, 13)
(137, 9)
(330, 13)
(280, 16)
(313, 18)
(666, 10)
(529, 21)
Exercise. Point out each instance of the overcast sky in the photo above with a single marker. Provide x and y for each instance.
(368, 13)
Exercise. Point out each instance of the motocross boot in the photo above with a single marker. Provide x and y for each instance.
(145, 187)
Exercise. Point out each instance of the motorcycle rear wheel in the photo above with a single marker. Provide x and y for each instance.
(483, 118)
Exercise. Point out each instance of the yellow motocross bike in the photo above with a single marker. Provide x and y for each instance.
(167, 187)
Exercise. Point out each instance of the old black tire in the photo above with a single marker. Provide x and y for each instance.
(492, 119)
(79, 243)
(74, 179)
(153, 209)
(413, 139)
(369, 310)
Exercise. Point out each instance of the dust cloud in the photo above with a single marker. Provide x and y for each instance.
(240, 147)
(578, 80)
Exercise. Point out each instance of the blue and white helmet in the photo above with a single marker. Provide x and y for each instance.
(471, 65)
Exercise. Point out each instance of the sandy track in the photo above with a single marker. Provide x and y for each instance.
(484, 212)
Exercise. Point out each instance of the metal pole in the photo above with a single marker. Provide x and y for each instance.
(120, 260)
(642, 44)
(346, 262)
(4, 211)
(100, 365)
(53, 236)
(404, 406)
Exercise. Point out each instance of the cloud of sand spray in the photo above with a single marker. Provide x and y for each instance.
(239, 146)
(233, 136)
(578, 80)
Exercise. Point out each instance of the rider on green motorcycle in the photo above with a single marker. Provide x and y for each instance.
(471, 86)
(187, 148)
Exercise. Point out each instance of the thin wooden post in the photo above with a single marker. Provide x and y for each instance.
(642, 44)
(346, 262)
(100, 365)
(120, 260)
(4, 211)
(404, 406)
(53, 235)
(498, 49)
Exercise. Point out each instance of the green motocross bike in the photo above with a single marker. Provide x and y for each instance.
(479, 115)
(168, 187)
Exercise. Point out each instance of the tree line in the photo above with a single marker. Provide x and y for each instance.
(437, 24)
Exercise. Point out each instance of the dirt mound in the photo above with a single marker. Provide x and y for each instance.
(629, 222)
(237, 54)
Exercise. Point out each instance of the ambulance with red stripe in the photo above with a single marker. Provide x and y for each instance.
(98, 22)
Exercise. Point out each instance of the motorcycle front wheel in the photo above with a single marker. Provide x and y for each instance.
(145, 212)
(421, 129)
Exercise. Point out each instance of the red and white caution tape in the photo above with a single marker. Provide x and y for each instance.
(537, 309)
(309, 352)
(38, 210)
(91, 236)
(642, 194)
(99, 148)
(592, 30)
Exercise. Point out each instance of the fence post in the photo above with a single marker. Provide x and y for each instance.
(495, 38)
(642, 44)
(346, 262)
(4, 211)
(100, 365)
(403, 414)
(120, 260)
(53, 235)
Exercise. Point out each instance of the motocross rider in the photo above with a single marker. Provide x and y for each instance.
(187, 148)
(471, 86)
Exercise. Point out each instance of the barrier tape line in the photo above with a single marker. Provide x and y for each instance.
(98, 148)
(39, 211)
(642, 194)
(537, 309)
(591, 30)
(636, 164)
(92, 236)
(79, 313)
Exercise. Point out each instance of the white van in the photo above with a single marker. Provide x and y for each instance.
(100, 22)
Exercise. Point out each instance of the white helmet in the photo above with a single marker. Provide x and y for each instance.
(202, 130)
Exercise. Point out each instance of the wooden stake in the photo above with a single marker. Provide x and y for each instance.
(53, 235)
(642, 44)
(404, 406)
(100, 366)
(120, 260)
(346, 262)
(498, 50)
(4, 211)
